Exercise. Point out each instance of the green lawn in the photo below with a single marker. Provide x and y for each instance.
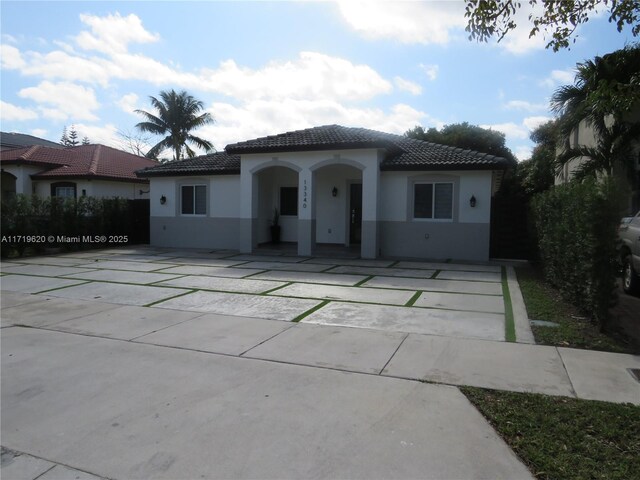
(565, 438)
(545, 303)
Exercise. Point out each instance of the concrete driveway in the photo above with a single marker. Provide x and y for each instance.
(143, 363)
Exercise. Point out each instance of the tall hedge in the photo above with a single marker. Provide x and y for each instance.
(576, 227)
(32, 216)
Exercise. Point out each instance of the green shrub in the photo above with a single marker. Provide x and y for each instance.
(31, 216)
(576, 227)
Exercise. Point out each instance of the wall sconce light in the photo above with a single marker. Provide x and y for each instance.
(163, 200)
(334, 192)
(142, 192)
(472, 201)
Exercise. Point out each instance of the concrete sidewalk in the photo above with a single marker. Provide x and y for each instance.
(440, 359)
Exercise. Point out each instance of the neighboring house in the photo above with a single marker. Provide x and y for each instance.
(585, 135)
(392, 195)
(85, 170)
(10, 140)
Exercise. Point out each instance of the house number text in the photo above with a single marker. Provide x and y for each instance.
(304, 194)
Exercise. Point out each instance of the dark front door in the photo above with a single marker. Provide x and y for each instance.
(355, 214)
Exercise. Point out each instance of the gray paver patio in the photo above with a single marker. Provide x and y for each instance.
(12, 299)
(29, 284)
(218, 333)
(480, 363)
(227, 272)
(51, 310)
(122, 294)
(470, 276)
(23, 467)
(388, 272)
(461, 301)
(312, 277)
(411, 320)
(292, 267)
(125, 322)
(435, 285)
(169, 413)
(196, 254)
(60, 472)
(49, 260)
(602, 375)
(268, 258)
(44, 270)
(354, 294)
(467, 267)
(341, 348)
(134, 258)
(275, 308)
(355, 262)
(224, 284)
(208, 262)
(123, 276)
(124, 265)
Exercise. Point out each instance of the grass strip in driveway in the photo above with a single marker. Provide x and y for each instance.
(304, 315)
(565, 438)
(509, 323)
(169, 298)
(413, 299)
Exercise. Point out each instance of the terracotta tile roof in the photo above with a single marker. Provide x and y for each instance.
(402, 153)
(219, 163)
(88, 161)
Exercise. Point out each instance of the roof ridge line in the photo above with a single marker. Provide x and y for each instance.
(93, 167)
(31, 151)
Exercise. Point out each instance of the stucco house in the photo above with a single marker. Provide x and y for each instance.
(393, 196)
(85, 170)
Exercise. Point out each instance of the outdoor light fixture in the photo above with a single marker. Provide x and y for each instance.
(472, 201)
(163, 200)
(334, 192)
(142, 192)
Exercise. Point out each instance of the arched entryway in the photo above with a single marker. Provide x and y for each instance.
(277, 206)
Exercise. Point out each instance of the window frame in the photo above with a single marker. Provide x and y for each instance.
(56, 185)
(206, 199)
(433, 183)
(295, 201)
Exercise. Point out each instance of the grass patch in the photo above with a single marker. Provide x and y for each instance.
(543, 302)
(413, 299)
(310, 311)
(435, 274)
(565, 438)
(509, 322)
(363, 281)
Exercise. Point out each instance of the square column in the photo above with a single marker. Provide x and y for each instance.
(306, 213)
(370, 192)
(248, 211)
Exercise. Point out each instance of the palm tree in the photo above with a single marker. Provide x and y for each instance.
(178, 114)
(605, 90)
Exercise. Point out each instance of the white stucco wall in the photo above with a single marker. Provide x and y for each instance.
(395, 196)
(332, 212)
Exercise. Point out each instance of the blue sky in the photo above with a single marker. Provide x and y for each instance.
(267, 67)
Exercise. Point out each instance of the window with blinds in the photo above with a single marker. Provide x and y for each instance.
(433, 200)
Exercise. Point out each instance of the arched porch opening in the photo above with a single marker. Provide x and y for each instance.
(8, 185)
(277, 206)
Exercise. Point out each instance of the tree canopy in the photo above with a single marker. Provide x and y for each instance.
(556, 20)
(469, 137)
(178, 114)
(537, 174)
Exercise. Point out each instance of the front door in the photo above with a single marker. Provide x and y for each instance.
(355, 214)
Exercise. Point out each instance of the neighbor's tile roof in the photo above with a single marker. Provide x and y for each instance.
(89, 161)
(219, 163)
(402, 153)
(19, 140)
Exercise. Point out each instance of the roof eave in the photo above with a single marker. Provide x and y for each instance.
(440, 167)
(186, 173)
(242, 150)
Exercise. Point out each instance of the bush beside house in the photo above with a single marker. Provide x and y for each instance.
(576, 227)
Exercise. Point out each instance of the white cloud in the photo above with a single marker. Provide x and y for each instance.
(64, 66)
(431, 71)
(39, 132)
(113, 33)
(105, 135)
(10, 57)
(63, 100)
(311, 76)
(9, 38)
(9, 111)
(525, 106)
(559, 77)
(510, 129)
(128, 103)
(523, 152)
(534, 122)
(407, 22)
(407, 86)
